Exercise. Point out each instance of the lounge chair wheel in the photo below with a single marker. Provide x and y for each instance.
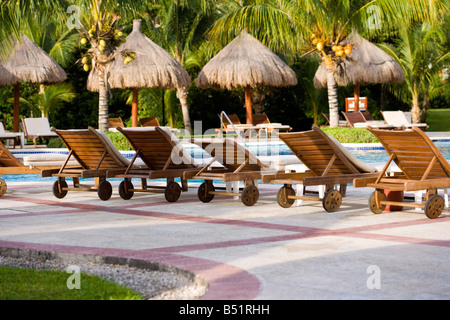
(172, 191)
(104, 190)
(58, 188)
(203, 192)
(434, 206)
(126, 193)
(332, 200)
(250, 195)
(3, 187)
(283, 197)
(372, 203)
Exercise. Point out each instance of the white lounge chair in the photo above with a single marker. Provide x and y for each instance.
(37, 128)
(11, 136)
(400, 121)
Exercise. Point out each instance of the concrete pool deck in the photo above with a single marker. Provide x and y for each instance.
(263, 252)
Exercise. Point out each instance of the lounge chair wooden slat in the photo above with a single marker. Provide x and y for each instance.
(9, 164)
(239, 165)
(327, 164)
(7, 159)
(419, 160)
(156, 147)
(95, 153)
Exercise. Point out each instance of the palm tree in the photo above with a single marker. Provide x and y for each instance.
(99, 25)
(421, 53)
(179, 26)
(50, 97)
(319, 26)
(94, 23)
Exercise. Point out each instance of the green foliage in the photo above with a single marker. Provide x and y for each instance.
(49, 97)
(116, 138)
(119, 141)
(435, 119)
(182, 29)
(6, 102)
(55, 143)
(30, 284)
(350, 135)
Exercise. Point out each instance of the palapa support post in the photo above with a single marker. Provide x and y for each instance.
(356, 95)
(248, 104)
(134, 108)
(16, 112)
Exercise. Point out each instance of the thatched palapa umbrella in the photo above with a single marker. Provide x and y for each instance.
(6, 77)
(29, 63)
(246, 62)
(366, 64)
(151, 67)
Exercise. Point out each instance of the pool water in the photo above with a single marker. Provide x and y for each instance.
(371, 154)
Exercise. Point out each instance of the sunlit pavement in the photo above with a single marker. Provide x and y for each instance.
(258, 252)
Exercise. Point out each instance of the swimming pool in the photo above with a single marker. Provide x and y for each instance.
(368, 153)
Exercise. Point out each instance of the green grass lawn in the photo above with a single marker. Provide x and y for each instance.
(438, 119)
(29, 284)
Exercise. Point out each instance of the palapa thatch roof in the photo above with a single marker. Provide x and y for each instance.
(366, 64)
(152, 67)
(6, 77)
(245, 61)
(30, 63)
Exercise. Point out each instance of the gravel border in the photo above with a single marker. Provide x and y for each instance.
(153, 280)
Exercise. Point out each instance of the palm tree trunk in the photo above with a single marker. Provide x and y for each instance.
(425, 103)
(102, 102)
(332, 98)
(415, 110)
(182, 96)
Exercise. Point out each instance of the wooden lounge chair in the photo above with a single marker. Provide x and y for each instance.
(235, 126)
(263, 122)
(357, 120)
(149, 122)
(237, 164)
(113, 123)
(153, 122)
(328, 164)
(422, 165)
(37, 129)
(95, 153)
(367, 116)
(342, 122)
(163, 158)
(400, 121)
(34, 164)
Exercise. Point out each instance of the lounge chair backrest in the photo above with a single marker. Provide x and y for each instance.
(149, 122)
(397, 118)
(367, 115)
(7, 159)
(89, 146)
(260, 118)
(408, 116)
(2, 128)
(157, 147)
(354, 117)
(315, 149)
(115, 122)
(233, 117)
(36, 126)
(413, 151)
(232, 155)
